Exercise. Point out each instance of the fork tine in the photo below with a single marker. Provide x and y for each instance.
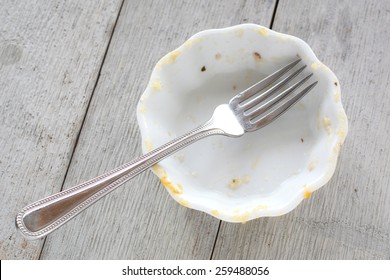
(264, 83)
(261, 97)
(269, 103)
(282, 107)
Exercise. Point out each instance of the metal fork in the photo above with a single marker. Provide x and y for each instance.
(248, 111)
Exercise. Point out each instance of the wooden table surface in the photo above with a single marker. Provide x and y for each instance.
(71, 74)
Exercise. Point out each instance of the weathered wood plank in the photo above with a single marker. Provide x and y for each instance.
(50, 56)
(349, 218)
(140, 220)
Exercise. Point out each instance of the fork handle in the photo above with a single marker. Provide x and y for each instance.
(38, 219)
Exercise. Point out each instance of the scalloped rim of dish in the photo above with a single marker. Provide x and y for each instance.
(307, 190)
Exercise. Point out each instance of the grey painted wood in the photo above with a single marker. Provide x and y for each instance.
(50, 56)
(140, 220)
(349, 218)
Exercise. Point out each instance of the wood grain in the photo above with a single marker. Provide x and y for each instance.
(140, 220)
(349, 218)
(50, 56)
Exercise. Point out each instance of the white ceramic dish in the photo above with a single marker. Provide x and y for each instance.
(264, 173)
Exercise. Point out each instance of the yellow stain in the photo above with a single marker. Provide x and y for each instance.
(180, 187)
(336, 148)
(316, 65)
(174, 55)
(237, 182)
(337, 97)
(263, 31)
(191, 42)
(148, 145)
(179, 157)
(283, 37)
(215, 212)
(183, 202)
(327, 125)
(170, 58)
(312, 165)
(260, 207)
(168, 184)
(243, 218)
(156, 85)
(342, 134)
(307, 194)
(160, 172)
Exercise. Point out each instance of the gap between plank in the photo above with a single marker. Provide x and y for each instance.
(220, 222)
(215, 241)
(86, 110)
(274, 14)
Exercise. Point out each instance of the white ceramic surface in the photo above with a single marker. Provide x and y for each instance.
(264, 173)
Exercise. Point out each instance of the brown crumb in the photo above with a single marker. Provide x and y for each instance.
(218, 56)
(256, 56)
(237, 182)
(302, 140)
(234, 87)
(203, 69)
(335, 83)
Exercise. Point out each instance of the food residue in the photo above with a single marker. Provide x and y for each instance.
(142, 109)
(179, 158)
(170, 58)
(341, 134)
(203, 69)
(260, 207)
(237, 182)
(327, 125)
(156, 85)
(243, 218)
(174, 55)
(168, 184)
(148, 145)
(215, 212)
(337, 96)
(262, 31)
(218, 56)
(256, 56)
(306, 194)
(183, 202)
(316, 65)
(191, 42)
(312, 165)
(302, 140)
(160, 172)
(234, 87)
(336, 148)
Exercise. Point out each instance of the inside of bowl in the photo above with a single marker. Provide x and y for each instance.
(260, 170)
